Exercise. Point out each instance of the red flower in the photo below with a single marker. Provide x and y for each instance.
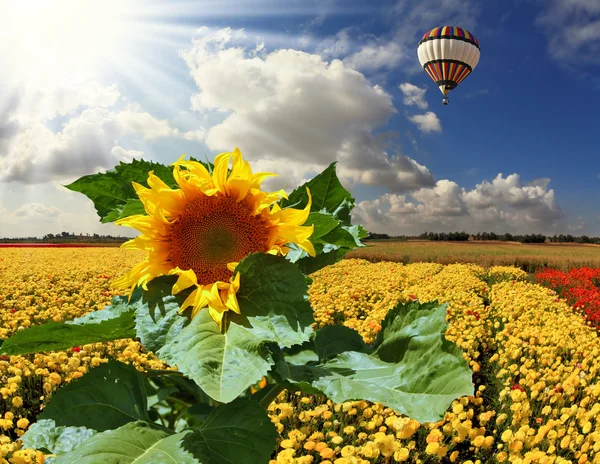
(76, 349)
(517, 387)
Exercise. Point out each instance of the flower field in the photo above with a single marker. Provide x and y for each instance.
(534, 358)
(580, 287)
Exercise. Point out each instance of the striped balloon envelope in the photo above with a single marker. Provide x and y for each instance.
(448, 55)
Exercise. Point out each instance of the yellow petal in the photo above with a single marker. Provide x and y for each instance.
(297, 216)
(232, 266)
(186, 279)
(220, 172)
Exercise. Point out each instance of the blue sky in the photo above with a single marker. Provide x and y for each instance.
(297, 85)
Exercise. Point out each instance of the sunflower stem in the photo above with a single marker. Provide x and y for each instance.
(273, 393)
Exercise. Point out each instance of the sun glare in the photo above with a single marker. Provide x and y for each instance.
(64, 33)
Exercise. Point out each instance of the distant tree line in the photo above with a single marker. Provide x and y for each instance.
(67, 237)
(487, 236)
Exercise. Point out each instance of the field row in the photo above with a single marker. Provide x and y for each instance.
(529, 257)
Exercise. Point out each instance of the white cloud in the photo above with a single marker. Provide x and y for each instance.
(131, 119)
(501, 205)
(44, 101)
(377, 55)
(573, 30)
(296, 108)
(37, 211)
(579, 226)
(86, 143)
(199, 134)
(427, 122)
(413, 95)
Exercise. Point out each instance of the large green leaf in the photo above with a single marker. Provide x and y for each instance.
(239, 432)
(105, 398)
(155, 332)
(110, 191)
(131, 207)
(157, 317)
(223, 365)
(135, 442)
(111, 323)
(411, 368)
(332, 340)
(328, 195)
(273, 300)
(45, 434)
(324, 223)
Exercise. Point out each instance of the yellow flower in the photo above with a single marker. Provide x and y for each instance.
(201, 230)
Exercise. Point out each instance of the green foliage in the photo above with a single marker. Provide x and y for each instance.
(333, 234)
(274, 309)
(223, 365)
(107, 397)
(111, 323)
(332, 340)
(411, 367)
(112, 190)
(273, 300)
(45, 435)
(130, 208)
(135, 442)
(328, 195)
(239, 432)
(157, 317)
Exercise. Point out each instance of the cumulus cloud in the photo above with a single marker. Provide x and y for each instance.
(573, 29)
(87, 142)
(37, 211)
(133, 120)
(377, 55)
(297, 109)
(426, 122)
(413, 95)
(503, 205)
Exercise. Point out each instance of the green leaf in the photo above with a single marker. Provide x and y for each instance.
(413, 368)
(328, 195)
(110, 191)
(332, 340)
(105, 398)
(155, 332)
(223, 365)
(340, 237)
(157, 315)
(111, 323)
(135, 442)
(324, 223)
(273, 300)
(130, 208)
(239, 432)
(301, 354)
(45, 434)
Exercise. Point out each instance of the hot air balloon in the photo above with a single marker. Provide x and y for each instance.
(448, 54)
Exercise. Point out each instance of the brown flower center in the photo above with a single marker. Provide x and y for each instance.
(214, 231)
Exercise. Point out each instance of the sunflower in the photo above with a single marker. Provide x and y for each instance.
(200, 231)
